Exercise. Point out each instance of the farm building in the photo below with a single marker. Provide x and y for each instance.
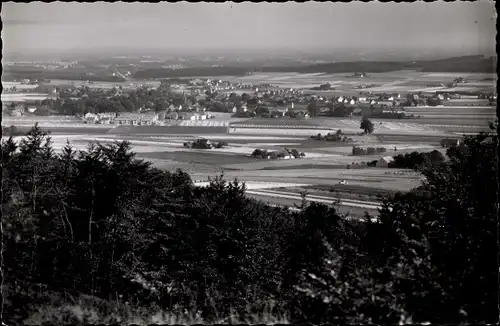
(385, 161)
(106, 120)
(137, 119)
(90, 118)
(450, 142)
(148, 119)
(128, 119)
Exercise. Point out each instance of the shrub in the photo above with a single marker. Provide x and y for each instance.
(260, 153)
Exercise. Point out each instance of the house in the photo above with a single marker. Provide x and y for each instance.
(90, 118)
(105, 118)
(385, 161)
(148, 118)
(128, 119)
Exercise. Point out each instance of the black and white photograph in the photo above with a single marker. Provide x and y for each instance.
(249, 163)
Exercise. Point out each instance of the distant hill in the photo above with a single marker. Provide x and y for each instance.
(21, 72)
(465, 64)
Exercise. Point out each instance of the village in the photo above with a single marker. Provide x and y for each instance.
(169, 101)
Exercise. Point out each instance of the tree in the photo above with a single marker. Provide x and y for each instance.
(340, 110)
(260, 110)
(434, 101)
(313, 109)
(367, 126)
(443, 233)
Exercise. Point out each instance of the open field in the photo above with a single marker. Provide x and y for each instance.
(431, 120)
(102, 84)
(17, 85)
(324, 164)
(403, 81)
(326, 125)
(23, 97)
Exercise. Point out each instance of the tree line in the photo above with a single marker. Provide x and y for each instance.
(105, 223)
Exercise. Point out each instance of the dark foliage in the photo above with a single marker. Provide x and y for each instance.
(104, 223)
(366, 126)
(416, 160)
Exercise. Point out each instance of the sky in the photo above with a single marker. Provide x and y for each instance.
(459, 27)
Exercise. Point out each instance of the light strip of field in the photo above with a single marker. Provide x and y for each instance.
(453, 126)
(447, 107)
(145, 142)
(253, 185)
(355, 201)
(278, 125)
(342, 202)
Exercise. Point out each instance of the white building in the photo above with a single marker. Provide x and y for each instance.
(91, 118)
